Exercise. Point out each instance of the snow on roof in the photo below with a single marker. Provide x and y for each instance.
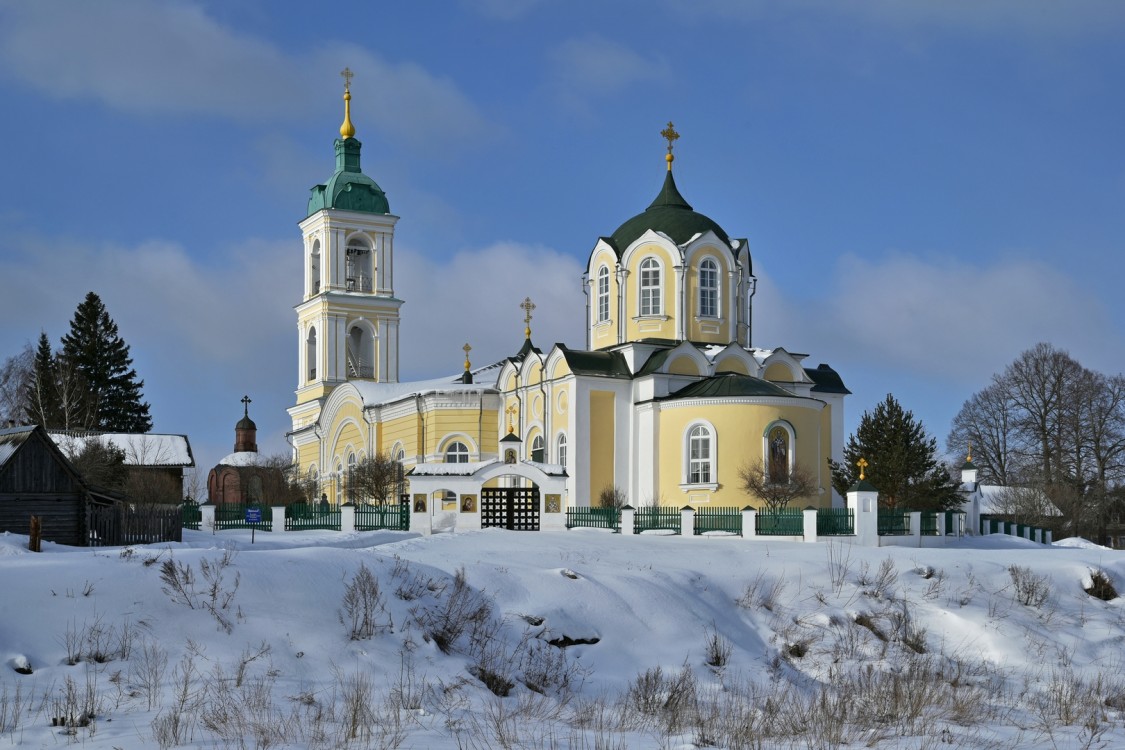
(242, 458)
(385, 393)
(451, 469)
(992, 500)
(140, 449)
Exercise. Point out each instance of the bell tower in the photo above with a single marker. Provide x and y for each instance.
(348, 317)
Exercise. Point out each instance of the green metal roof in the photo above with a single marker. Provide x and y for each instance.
(605, 364)
(670, 214)
(727, 385)
(826, 380)
(349, 188)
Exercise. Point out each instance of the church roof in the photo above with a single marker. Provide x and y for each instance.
(140, 449)
(729, 384)
(349, 188)
(669, 214)
(826, 380)
(603, 363)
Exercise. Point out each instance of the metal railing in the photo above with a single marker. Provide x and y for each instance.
(727, 519)
(835, 522)
(593, 518)
(656, 519)
(780, 522)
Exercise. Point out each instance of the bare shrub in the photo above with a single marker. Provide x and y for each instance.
(1031, 590)
(147, 672)
(762, 592)
(11, 708)
(906, 631)
(880, 585)
(364, 608)
(461, 609)
(412, 585)
(839, 565)
(1101, 586)
(217, 594)
(717, 649)
(672, 701)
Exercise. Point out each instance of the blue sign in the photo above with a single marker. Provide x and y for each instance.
(253, 515)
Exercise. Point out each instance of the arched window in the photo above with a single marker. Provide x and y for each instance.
(361, 353)
(708, 289)
(456, 453)
(779, 454)
(652, 302)
(314, 268)
(603, 294)
(537, 449)
(353, 493)
(310, 352)
(561, 452)
(700, 456)
(359, 267)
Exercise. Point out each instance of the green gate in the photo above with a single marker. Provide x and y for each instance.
(302, 516)
(382, 517)
(233, 516)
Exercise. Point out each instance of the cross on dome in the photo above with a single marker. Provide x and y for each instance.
(669, 134)
(527, 306)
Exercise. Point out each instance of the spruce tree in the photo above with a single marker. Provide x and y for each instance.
(41, 392)
(96, 352)
(901, 460)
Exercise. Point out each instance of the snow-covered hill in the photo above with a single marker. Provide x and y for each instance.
(580, 639)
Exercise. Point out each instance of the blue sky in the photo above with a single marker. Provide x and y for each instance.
(928, 188)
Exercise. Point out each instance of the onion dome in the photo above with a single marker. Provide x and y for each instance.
(670, 214)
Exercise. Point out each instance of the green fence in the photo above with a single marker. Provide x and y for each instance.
(382, 517)
(835, 522)
(192, 515)
(929, 524)
(780, 522)
(656, 519)
(718, 519)
(301, 516)
(233, 516)
(593, 518)
(894, 522)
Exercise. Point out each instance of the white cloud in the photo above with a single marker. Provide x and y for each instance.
(593, 67)
(168, 57)
(946, 319)
(1078, 18)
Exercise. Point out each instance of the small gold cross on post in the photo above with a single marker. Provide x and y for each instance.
(527, 306)
(347, 74)
(669, 134)
(510, 411)
(467, 349)
(862, 464)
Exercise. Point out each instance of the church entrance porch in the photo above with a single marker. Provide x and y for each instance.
(512, 508)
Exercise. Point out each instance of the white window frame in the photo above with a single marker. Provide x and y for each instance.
(650, 290)
(708, 292)
(700, 471)
(460, 456)
(560, 449)
(603, 294)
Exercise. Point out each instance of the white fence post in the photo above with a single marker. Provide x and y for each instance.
(278, 520)
(915, 525)
(687, 521)
(863, 500)
(347, 517)
(810, 523)
(627, 514)
(207, 518)
(749, 523)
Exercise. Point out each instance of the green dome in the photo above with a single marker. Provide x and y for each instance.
(349, 188)
(670, 214)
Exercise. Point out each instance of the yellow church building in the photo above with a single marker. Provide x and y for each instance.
(667, 402)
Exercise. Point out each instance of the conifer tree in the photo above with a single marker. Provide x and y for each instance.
(902, 461)
(41, 392)
(112, 393)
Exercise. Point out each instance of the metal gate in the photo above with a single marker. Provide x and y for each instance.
(512, 508)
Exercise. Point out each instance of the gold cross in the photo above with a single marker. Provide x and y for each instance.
(246, 406)
(669, 133)
(527, 306)
(347, 74)
(510, 411)
(467, 349)
(862, 464)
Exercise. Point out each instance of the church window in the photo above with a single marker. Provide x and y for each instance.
(352, 494)
(314, 267)
(700, 463)
(310, 353)
(708, 289)
(361, 353)
(603, 294)
(457, 453)
(651, 300)
(779, 454)
(562, 449)
(537, 449)
(358, 267)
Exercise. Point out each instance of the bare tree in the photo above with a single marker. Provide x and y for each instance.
(375, 479)
(986, 425)
(14, 376)
(612, 496)
(778, 488)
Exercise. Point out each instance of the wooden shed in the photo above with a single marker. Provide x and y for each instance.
(36, 479)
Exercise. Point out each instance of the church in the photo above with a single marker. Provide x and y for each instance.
(666, 403)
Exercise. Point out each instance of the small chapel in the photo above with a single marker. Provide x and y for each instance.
(667, 401)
